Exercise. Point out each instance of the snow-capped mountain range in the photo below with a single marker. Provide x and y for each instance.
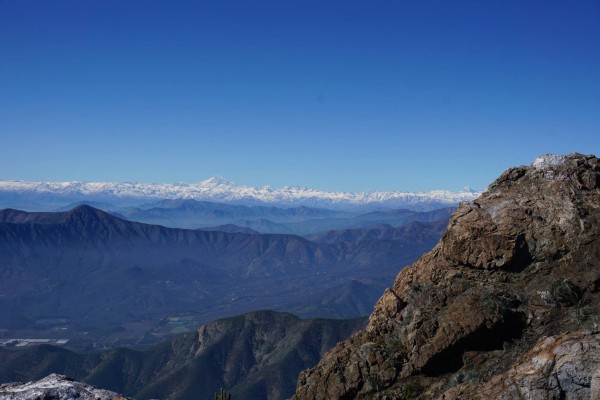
(42, 194)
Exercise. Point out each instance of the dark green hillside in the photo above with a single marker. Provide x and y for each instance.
(256, 356)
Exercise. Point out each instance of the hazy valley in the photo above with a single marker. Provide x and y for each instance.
(102, 281)
(138, 277)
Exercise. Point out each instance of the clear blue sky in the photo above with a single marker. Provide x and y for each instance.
(336, 95)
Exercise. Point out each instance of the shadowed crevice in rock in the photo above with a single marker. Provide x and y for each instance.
(522, 257)
(486, 338)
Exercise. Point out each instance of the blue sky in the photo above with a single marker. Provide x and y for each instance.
(335, 95)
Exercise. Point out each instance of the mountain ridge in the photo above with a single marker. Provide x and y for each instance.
(223, 191)
(302, 221)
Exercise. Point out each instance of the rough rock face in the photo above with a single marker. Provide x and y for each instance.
(519, 265)
(557, 365)
(54, 387)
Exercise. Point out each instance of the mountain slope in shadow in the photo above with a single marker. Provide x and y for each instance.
(256, 356)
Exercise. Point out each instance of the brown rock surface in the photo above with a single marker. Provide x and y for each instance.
(519, 264)
(568, 363)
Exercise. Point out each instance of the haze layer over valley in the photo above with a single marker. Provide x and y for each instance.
(100, 273)
(99, 280)
(130, 264)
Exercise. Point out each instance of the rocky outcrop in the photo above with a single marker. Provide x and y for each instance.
(557, 365)
(519, 264)
(55, 387)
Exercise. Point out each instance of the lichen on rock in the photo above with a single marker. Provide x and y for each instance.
(548, 160)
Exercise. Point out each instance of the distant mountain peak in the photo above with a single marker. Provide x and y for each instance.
(88, 211)
(84, 209)
(78, 215)
(216, 181)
